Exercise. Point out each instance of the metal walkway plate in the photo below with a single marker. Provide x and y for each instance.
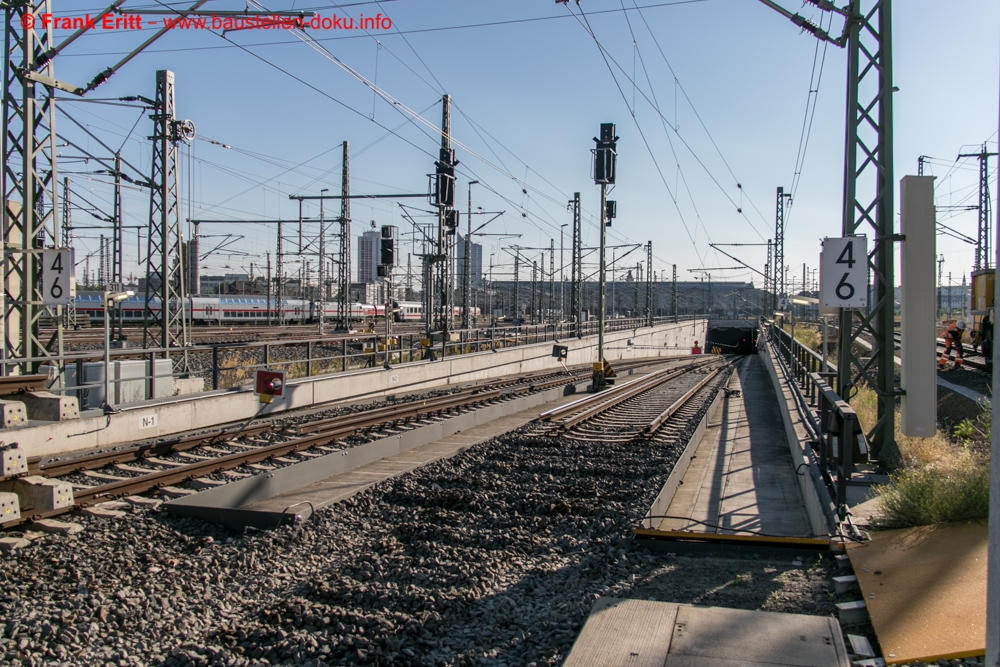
(640, 633)
(925, 589)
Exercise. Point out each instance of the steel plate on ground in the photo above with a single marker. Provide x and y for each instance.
(925, 589)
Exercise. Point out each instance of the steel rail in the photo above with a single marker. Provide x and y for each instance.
(655, 425)
(628, 391)
(57, 468)
(177, 475)
(16, 384)
(395, 413)
(599, 402)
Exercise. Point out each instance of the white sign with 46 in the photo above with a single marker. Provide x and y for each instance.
(58, 277)
(844, 273)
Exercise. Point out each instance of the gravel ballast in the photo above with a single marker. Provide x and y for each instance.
(493, 557)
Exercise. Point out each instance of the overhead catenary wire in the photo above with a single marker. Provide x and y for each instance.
(608, 57)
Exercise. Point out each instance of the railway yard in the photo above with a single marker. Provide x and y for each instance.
(493, 556)
(493, 553)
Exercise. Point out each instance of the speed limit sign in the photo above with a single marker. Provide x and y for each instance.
(58, 277)
(844, 273)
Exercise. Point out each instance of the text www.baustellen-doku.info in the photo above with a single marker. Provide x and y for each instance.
(201, 22)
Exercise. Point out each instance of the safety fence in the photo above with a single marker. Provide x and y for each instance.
(836, 437)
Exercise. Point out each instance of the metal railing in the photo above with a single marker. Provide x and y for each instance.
(836, 437)
(231, 365)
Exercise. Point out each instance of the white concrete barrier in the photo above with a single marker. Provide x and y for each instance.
(154, 419)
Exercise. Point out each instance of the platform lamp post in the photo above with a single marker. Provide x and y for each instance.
(605, 164)
(110, 299)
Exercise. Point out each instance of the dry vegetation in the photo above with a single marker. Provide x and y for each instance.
(941, 479)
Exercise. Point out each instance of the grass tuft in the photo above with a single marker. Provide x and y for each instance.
(932, 494)
(940, 480)
(807, 336)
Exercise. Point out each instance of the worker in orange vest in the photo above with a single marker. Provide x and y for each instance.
(695, 349)
(953, 336)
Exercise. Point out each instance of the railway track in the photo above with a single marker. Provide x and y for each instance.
(637, 410)
(214, 457)
(972, 360)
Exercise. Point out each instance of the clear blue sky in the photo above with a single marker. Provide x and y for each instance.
(530, 87)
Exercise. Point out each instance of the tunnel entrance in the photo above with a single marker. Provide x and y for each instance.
(731, 339)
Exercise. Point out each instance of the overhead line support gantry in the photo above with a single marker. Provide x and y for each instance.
(868, 202)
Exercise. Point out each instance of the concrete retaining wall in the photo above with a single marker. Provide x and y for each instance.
(152, 419)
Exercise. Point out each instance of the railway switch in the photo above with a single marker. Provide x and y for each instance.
(269, 384)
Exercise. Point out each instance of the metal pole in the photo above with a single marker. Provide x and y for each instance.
(467, 268)
(107, 356)
(599, 365)
(321, 308)
(577, 294)
(673, 295)
(562, 280)
(344, 269)
(280, 288)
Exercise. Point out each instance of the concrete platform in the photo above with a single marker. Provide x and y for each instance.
(925, 590)
(292, 493)
(340, 487)
(741, 479)
(641, 633)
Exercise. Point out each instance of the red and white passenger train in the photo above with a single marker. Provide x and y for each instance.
(247, 309)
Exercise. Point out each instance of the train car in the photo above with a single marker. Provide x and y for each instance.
(133, 308)
(413, 311)
(408, 311)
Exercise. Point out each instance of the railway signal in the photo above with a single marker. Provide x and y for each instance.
(269, 384)
(605, 168)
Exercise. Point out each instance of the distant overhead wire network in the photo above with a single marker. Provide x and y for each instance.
(417, 119)
(668, 128)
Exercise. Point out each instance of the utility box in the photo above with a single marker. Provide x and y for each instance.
(129, 383)
(982, 291)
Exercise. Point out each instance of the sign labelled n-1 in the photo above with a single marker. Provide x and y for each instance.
(58, 277)
(844, 273)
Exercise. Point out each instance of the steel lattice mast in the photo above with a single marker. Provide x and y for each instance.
(344, 270)
(164, 261)
(67, 240)
(983, 230)
(29, 179)
(868, 202)
(779, 243)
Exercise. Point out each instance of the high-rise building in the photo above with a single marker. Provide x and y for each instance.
(369, 249)
(476, 251)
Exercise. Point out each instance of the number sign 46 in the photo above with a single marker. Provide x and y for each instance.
(844, 273)
(58, 277)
